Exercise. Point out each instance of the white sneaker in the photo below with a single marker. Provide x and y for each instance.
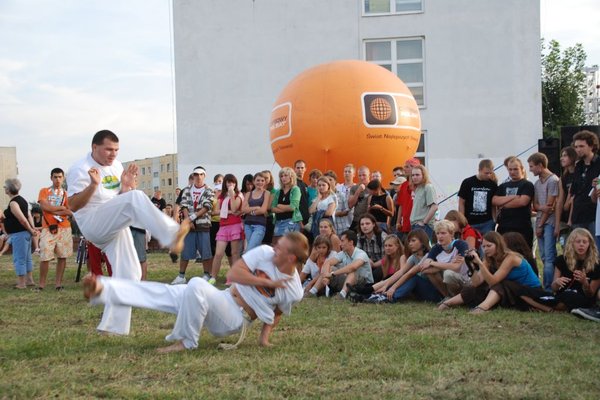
(179, 281)
(206, 276)
(212, 281)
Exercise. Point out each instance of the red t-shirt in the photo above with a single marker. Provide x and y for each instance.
(404, 199)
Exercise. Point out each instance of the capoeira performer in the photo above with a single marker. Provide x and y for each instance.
(265, 285)
(105, 203)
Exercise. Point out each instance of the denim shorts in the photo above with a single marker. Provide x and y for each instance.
(285, 226)
(196, 242)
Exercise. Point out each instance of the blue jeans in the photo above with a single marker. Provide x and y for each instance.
(547, 248)
(485, 227)
(21, 250)
(254, 235)
(425, 228)
(421, 287)
(285, 226)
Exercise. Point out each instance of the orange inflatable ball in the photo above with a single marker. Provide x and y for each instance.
(345, 112)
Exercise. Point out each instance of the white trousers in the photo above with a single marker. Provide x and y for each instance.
(197, 304)
(108, 228)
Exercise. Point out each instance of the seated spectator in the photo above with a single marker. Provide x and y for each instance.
(255, 208)
(348, 267)
(321, 251)
(408, 280)
(323, 206)
(393, 250)
(370, 239)
(422, 215)
(516, 242)
(444, 265)
(380, 205)
(463, 230)
(326, 229)
(500, 278)
(576, 275)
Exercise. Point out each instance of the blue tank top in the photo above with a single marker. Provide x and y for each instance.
(524, 275)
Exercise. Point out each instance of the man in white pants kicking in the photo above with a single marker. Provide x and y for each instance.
(105, 203)
(265, 285)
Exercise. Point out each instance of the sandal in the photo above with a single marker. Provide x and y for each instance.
(59, 288)
(478, 310)
(37, 289)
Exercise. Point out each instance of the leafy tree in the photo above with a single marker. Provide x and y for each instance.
(563, 87)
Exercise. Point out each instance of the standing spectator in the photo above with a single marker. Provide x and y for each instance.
(196, 205)
(422, 215)
(380, 205)
(546, 192)
(95, 260)
(564, 203)
(475, 198)
(255, 207)
(19, 226)
(399, 179)
(286, 205)
(36, 214)
(247, 184)
(56, 239)
(376, 175)
(344, 213)
(586, 170)
(359, 196)
(404, 199)
(312, 189)
(300, 168)
(323, 206)
(513, 199)
(269, 187)
(231, 230)
(158, 200)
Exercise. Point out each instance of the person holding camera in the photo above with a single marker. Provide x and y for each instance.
(500, 278)
(56, 239)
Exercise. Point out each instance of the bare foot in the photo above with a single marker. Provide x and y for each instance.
(443, 307)
(478, 310)
(184, 228)
(175, 347)
(91, 287)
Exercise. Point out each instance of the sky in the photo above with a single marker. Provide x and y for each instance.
(69, 68)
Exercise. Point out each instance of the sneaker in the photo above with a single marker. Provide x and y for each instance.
(212, 281)
(593, 314)
(174, 257)
(339, 297)
(206, 276)
(179, 281)
(377, 298)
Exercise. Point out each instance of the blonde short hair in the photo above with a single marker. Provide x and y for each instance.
(444, 225)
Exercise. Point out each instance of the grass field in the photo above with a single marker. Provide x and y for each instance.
(326, 349)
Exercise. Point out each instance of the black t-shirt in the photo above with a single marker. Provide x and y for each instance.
(11, 223)
(561, 265)
(477, 195)
(566, 181)
(520, 216)
(584, 210)
(303, 206)
(160, 203)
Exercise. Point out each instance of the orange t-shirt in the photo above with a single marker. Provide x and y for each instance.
(55, 198)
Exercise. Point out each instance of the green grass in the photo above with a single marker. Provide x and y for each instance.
(326, 349)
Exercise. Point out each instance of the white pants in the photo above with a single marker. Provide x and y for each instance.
(108, 228)
(197, 304)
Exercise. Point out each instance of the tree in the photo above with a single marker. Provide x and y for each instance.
(563, 87)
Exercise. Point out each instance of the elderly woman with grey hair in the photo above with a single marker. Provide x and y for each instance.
(19, 226)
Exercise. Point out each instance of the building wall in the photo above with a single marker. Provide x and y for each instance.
(481, 75)
(8, 170)
(158, 173)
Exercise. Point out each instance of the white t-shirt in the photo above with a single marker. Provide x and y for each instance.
(312, 268)
(445, 257)
(78, 179)
(264, 300)
(322, 205)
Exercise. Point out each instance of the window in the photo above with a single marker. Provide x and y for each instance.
(404, 57)
(155, 175)
(155, 188)
(143, 171)
(168, 167)
(162, 182)
(162, 167)
(420, 154)
(170, 181)
(149, 170)
(378, 7)
(170, 196)
(143, 185)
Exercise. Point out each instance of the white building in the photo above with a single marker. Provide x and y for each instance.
(473, 66)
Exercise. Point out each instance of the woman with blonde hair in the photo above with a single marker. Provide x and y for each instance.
(422, 215)
(501, 278)
(327, 229)
(285, 204)
(324, 204)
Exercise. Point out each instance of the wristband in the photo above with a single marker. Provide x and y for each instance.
(193, 217)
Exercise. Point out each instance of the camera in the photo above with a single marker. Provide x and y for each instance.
(469, 258)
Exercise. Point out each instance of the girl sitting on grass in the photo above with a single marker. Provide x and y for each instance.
(321, 251)
(326, 229)
(407, 280)
(500, 278)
